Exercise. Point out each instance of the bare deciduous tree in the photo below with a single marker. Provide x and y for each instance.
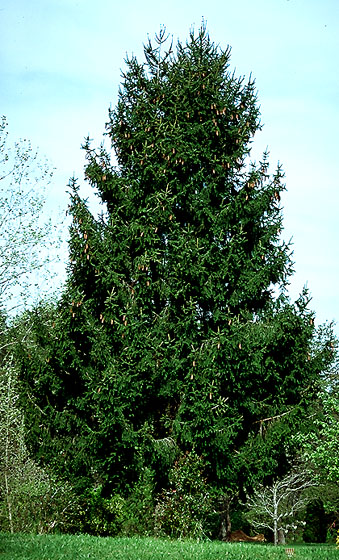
(274, 507)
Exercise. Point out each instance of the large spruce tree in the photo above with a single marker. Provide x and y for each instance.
(174, 328)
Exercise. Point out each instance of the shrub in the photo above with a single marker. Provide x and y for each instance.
(139, 506)
(31, 500)
(104, 516)
(183, 509)
(119, 515)
(39, 503)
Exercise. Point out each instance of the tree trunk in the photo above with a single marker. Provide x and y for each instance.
(281, 536)
(225, 519)
(275, 515)
(9, 505)
(275, 525)
(7, 444)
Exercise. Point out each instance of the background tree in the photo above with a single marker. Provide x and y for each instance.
(26, 238)
(316, 525)
(175, 325)
(275, 507)
(317, 441)
(319, 451)
(320, 445)
(31, 499)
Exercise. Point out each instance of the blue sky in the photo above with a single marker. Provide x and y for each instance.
(60, 63)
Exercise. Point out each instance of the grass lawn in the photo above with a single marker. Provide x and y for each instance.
(81, 547)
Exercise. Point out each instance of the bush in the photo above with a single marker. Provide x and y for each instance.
(38, 503)
(118, 515)
(104, 516)
(139, 507)
(31, 500)
(183, 509)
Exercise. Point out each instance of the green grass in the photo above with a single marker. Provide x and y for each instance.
(81, 547)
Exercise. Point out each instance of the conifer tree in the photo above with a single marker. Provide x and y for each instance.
(175, 326)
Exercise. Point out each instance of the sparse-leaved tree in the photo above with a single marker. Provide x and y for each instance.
(275, 507)
(26, 239)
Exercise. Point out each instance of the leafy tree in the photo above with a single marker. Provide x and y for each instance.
(175, 326)
(319, 451)
(317, 441)
(321, 441)
(29, 495)
(320, 447)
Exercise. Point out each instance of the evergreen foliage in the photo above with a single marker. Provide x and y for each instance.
(175, 330)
